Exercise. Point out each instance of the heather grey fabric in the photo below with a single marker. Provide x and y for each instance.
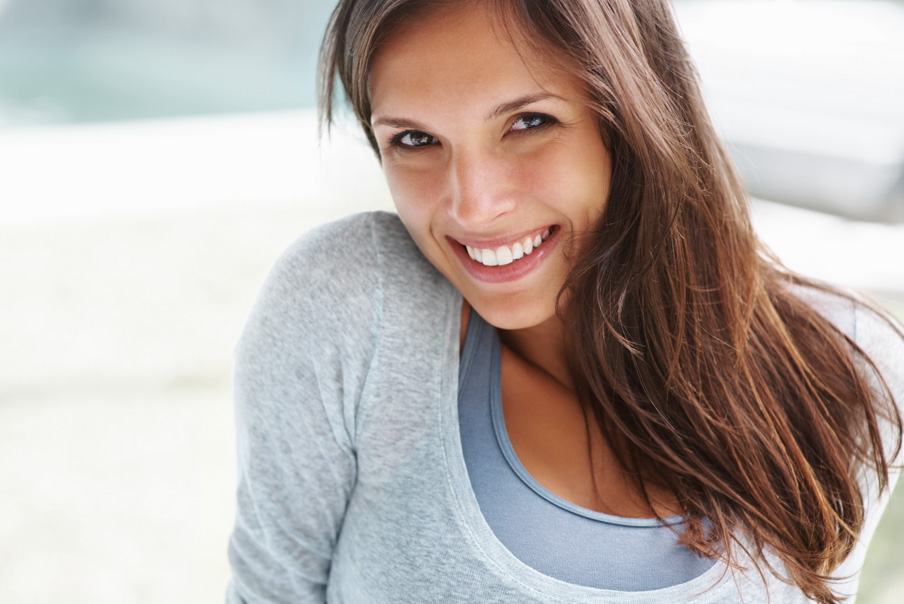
(352, 486)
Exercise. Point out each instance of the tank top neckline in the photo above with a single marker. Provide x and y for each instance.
(476, 326)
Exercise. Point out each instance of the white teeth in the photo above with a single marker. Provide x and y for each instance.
(517, 251)
(504, 254)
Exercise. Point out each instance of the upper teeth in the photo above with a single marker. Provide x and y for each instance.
(505, 254)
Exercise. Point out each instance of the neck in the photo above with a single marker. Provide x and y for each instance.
(544, 347)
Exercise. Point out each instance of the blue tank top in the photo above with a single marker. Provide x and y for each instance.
(552, 535)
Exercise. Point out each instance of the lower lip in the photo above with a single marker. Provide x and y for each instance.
(510, 272)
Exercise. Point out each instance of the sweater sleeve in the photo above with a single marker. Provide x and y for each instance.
(299, 371)
(883, 342)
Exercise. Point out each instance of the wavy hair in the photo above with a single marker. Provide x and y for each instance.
(690, 344)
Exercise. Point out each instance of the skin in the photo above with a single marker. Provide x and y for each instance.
(482, 144)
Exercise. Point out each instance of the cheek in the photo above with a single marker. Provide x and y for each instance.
(542, 174)
(406, 188)
(569, 175)
(415, 197)
(591, 173)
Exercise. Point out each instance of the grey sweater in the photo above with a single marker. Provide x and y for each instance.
(352, 487)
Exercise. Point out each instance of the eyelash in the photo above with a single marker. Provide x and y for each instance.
(545, 121)
(397, 139)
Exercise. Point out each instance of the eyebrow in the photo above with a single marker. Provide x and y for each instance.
(518, 103)
(397, 122)
(499, 110)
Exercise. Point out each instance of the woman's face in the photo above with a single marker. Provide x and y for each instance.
(493, 159)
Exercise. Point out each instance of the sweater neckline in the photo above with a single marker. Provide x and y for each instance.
(481, 537)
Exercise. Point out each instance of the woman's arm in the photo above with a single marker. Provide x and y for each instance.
(882, 341)
(298, 368)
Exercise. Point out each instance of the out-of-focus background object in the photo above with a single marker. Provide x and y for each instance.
(156, 157)
(810, 97)
(79, 61)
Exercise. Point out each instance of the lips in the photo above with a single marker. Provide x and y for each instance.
(495, 263)
(506, 254)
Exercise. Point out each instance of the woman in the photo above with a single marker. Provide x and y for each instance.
(567, 371)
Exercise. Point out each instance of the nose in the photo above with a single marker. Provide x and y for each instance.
(480, 188)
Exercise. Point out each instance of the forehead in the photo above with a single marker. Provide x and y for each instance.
(463, 52)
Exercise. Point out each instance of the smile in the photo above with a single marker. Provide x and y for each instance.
(505, 254)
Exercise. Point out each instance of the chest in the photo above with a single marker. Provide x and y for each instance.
(561, 445)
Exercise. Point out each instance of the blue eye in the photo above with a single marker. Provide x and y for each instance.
(530, 121)
(413, 139)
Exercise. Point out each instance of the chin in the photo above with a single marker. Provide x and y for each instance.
(512, 319)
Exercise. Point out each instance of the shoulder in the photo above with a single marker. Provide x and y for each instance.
(352, 255)
(338, 273)
(877, 335)
(874, 330)
(334, 291)
(321, 317)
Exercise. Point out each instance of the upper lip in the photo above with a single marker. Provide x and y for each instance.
(496, 242)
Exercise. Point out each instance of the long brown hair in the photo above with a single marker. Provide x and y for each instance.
(690, 344)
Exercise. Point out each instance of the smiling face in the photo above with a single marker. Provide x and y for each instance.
(493, 158)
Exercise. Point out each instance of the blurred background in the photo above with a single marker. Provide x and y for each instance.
(156, 157)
